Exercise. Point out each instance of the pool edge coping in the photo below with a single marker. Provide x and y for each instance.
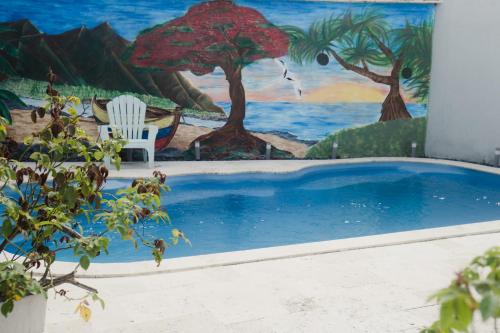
(184, 168)
(206, 261)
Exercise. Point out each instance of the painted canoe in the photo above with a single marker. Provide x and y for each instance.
(166, 120)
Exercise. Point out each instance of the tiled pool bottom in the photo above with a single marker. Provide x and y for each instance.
(223, 213)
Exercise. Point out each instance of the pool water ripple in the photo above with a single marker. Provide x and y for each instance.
(221, 213)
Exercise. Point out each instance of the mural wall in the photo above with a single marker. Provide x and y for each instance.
(231, 74)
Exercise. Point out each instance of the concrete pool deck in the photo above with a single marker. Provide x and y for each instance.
(375, 284)
(373, 290)
(174, 265)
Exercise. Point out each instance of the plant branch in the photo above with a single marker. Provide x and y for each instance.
(68, 278)
(71, 232)
(7, 240)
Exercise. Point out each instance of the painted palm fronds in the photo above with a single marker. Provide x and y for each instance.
(364, 43)
(415, 43)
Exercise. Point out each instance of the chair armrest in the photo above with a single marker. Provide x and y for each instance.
(152, 131)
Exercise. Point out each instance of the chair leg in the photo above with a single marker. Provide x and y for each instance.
(151, 157)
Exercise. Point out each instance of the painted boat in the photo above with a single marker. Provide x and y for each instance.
(166, 120)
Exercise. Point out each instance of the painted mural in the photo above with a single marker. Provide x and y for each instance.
(232, 75)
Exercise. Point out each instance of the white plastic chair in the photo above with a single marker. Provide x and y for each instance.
(126, 121)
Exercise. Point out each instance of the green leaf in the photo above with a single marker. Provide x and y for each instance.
(96, 297)
(219, 48)
(72, 112)
(69, 196)
(267, 25)
(104, 243)
(28, 140)
(447, 314)
(455, 314)
(173, 29)
(182, 43)
(489, 306)
(85, 262)
(245, 42)
(7, 227)
(183, 28)
(158, 256)
(98, 155)
(5, 112)
(222, 26)
(7, 307)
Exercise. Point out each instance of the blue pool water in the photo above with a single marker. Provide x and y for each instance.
(222, 213)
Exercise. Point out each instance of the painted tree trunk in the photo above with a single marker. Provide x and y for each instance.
(233, 139)
(394, 107)
(237, 95)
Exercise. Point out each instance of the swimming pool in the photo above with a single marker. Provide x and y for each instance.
(221, 213)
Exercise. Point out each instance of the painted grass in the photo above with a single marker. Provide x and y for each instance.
(391, 138)
(36, 89)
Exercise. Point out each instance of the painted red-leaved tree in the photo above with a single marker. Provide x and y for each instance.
(214, 34)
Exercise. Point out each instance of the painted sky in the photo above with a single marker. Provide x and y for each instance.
(263, 80)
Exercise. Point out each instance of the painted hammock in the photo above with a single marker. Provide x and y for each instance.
(166, 120)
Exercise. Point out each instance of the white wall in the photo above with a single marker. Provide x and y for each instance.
(464, 102)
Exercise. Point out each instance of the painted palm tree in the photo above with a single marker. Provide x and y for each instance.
(416, 45)
(365, 44)
(6, 70)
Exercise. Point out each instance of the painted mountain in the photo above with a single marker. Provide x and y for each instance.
(94, 57)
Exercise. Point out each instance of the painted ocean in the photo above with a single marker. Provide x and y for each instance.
(309, 122)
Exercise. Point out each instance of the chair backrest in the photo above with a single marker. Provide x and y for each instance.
(126, 115)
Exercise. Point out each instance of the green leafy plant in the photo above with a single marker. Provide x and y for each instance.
(41, 205)
(476, 289)
(15, 284)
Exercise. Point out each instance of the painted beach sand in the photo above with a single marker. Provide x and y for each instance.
(298, 70)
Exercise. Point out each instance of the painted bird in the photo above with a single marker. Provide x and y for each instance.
(289, 76)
